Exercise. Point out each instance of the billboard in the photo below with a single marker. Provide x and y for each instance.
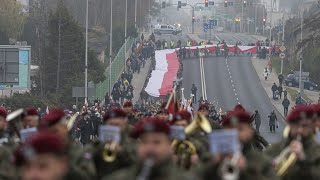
(15, 67)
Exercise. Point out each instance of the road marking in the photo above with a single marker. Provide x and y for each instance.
(203, 80)
(238, 99)
(230, 77)
(235, 94)
(234, 90)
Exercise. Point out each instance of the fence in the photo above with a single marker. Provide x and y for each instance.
(117, 67)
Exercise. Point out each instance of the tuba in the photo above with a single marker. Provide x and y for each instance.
(285, 160)
(185, 149)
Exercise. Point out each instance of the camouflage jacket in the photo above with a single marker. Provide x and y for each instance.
(80, 161)
(125, 158)
(164, 171)
(258, 168)
(307, 169)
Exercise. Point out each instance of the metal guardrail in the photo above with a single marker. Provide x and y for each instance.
(117, 66)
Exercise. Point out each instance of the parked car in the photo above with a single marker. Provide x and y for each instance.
(293, 81)
(166, 29)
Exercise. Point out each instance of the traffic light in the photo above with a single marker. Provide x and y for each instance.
(225, 3)
(244, 4)
(163, 4)
(179, 4)
(264, 21)
(193, 19)
(206, 3)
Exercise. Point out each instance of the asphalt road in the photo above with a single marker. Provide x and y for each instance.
(232, 38)
(230, 82)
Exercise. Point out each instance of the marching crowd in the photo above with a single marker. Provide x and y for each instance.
(150, 146)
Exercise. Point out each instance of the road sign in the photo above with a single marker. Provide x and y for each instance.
(213, 22)
(282, 55)
(205, 30)
(282, 48)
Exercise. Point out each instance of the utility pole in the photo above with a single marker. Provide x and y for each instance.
(301, 56)
(271, 23)
(283, 26)
(59, 54)
(135, 13)
(110, 47)
(86, 58)
(125, 35)
(241, 20)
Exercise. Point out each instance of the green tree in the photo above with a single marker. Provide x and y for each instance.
(11, 20)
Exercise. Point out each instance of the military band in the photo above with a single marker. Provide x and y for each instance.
(156, 146)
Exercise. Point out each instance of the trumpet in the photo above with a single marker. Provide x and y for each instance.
(229, 170)
(285, 161)
(185, 149)
(109, 152)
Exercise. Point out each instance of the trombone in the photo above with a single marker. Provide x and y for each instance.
(109, 153)
(285, 160)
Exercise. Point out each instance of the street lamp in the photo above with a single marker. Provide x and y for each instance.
(125, 35)
(86, 58)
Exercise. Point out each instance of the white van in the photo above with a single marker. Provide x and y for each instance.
(166, 29)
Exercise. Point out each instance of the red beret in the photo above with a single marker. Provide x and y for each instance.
(238, 115)
(114, 113)
(203, 107)
(299, 113)
(31, 111)
(127, 104)
(316, 109)
(41, 143)
(181, 115)
(150, 124)
(53, 117)
(239, 107)
(3, 112)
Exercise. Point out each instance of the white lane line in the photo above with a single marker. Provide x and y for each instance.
(234, 90)
(235, 94)
(230, 77)
(201, 78)
(204, 82)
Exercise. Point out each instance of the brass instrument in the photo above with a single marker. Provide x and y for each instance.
(146, 169)
(199, 122)
(285, 160)
(185, 149)
(228, 169)
(109, 152)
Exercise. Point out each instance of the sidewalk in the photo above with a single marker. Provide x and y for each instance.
(138, 81)
(259, 66)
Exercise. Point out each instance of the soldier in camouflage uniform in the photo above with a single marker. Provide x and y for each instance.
(80, 162)
(183, 119)
(128, 109)
(299, 141)
(43, 157)
(251, 164)
(154, 153)
(125, 155)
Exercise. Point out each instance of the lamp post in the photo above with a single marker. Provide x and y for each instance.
(125, 35)
(110, 47)
(86, 57)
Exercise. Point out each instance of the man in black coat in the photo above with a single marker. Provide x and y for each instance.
(272, 121)
(256, 118)
(274, 88)
(86, 129)
(285, 104)
(194, 92)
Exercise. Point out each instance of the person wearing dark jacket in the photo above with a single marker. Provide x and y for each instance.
(86, 129)
(273, 120)
(274, 88)
(256, 118)
(285, 104)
